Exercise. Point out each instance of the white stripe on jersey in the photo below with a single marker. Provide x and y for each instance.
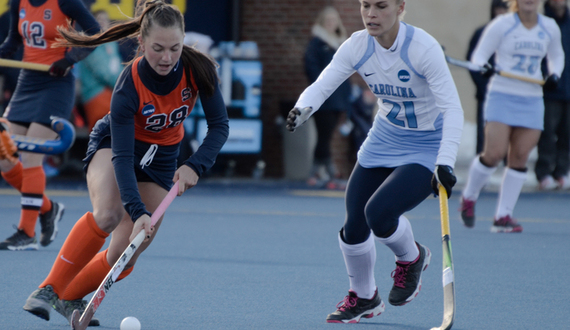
(520, 51)
(414, 88)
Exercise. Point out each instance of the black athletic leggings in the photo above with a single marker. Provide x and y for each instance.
(377, 197)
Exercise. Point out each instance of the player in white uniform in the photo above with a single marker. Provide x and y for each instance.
(415, 134)
(514, 110)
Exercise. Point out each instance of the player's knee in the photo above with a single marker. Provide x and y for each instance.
(108, 219)
(380, 221)
(491, 158)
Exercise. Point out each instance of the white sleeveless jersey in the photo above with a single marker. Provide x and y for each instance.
(520, 51)
(420, 118)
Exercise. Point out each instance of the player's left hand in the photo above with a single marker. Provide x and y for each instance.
(443, 175)
(551, 83)
(187, 178)
(60, 68)
(8, 149)
(143, 222)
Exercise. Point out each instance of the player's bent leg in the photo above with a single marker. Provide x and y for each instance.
(352, 308)
(41, 301)
(408, 278)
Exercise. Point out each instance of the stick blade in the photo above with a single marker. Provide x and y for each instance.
(75, 320)
(81, 322)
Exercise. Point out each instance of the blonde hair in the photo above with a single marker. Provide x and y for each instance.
(340, 29)
(513, 5)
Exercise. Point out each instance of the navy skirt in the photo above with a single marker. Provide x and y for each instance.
(38, 96)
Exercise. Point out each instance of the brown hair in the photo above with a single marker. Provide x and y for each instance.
(148, 13)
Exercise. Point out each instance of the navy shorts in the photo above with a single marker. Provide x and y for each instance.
(160, 170)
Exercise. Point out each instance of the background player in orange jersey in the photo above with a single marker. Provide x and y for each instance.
(33, 25)
(132, 154)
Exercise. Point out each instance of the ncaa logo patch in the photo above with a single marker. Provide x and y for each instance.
(541, 35)
(148, 110)
(22, 13)
(404, 75)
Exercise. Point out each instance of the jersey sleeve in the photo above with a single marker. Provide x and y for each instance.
(218, 131)
(76, 10)
(339, 69)
(14, 39)
(124, 105)
(555, 52)
(488, 43)
(447, 101)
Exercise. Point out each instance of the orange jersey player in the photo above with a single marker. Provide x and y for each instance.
(39, 96)
(132, 155)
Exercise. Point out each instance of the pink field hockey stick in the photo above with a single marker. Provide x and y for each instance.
(81, 321)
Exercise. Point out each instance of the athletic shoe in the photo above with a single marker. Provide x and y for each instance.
(408, 278)
(467, 209)
(66, 308)
(49, 221)
(352, 308)
(506, 224)
(41, 301)
(20, 241)
(547, 183)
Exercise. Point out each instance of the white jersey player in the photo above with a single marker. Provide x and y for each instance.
(415, 134)
(514, 109)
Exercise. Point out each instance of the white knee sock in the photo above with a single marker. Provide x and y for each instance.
(360, 260)
(402, 242)
(479, 174)
(511, 187)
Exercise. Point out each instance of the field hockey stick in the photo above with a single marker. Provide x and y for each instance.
(448, 277)
(50, 147)
(24, 65)
(81, 321)
(474, 67)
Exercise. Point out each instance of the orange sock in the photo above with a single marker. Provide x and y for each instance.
(83, 242)
(14, 178)
(33, 186)
(90, 277)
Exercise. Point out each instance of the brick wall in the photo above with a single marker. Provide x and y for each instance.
(282, 31)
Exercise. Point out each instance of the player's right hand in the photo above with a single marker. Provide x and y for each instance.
(487, 70)
(143, 222)
(298, 117)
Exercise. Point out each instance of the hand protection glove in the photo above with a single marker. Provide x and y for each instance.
(297, 117)
(487, 70)
(60, 68)
(551, 83)
(444, 176)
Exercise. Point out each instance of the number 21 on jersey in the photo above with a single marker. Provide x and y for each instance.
(409, 112)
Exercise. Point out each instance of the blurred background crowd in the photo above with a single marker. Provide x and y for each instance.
(268, 52)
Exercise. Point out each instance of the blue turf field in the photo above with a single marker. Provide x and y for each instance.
(266, 256)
